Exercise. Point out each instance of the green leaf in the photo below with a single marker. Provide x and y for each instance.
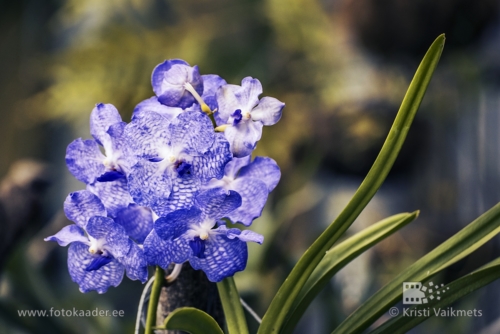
(455, 290)
(283, 301)
(340, 255)
(233, 311)
(455, 248)
(192, 320)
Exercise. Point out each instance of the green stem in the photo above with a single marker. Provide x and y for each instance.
(153, 300)
(233, 311)
(211, 116)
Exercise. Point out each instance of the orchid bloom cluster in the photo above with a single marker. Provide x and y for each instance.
(170, 180)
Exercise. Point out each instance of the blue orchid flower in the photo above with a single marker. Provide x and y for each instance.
(174, 83)
(199, 236)
(169, 164)
(174, 158)
(242, 115)
(137, 220)
(100, 249)
(211, 85)
(253, 181)
(180, 86)
(84, 158)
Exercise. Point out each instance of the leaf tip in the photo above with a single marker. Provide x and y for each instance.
(442, 39)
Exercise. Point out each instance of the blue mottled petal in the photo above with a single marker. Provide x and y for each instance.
(114, 195)
(233, 97)
(184, 190)
(116, 132)
(223, 257)
(135, 264)
(217, 203)
(252, 236)
(119, 157)
(212, 163)
(211, 84)
(234, 166)
(81, 205)
(243, 137)
(146, 134)
(101, 118)
(137, 221)
(245, 235)
(176, 223)
(148, 184)
(264, 169)
(179, 249)
(172, 230)
(154, 251)
(254, 196)
(85, 160)
(69, 234)
(169, 79)
(100, 280)
(193, 131)
(114, 235)
(153, 105)
(227, 103)
(268, 111)
(248, 95)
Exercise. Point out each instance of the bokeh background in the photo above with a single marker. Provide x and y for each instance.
(342, 68)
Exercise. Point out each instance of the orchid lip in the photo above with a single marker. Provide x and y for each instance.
(98, 262)
(198, 247)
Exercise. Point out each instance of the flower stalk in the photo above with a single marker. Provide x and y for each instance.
(153, 300)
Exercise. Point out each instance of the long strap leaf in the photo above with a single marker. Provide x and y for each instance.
(340, 255)
(455, 290)
(193, 321)
(231, 304)
(283, 301)
(455, 248)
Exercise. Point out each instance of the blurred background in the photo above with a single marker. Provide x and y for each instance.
(342, 68)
